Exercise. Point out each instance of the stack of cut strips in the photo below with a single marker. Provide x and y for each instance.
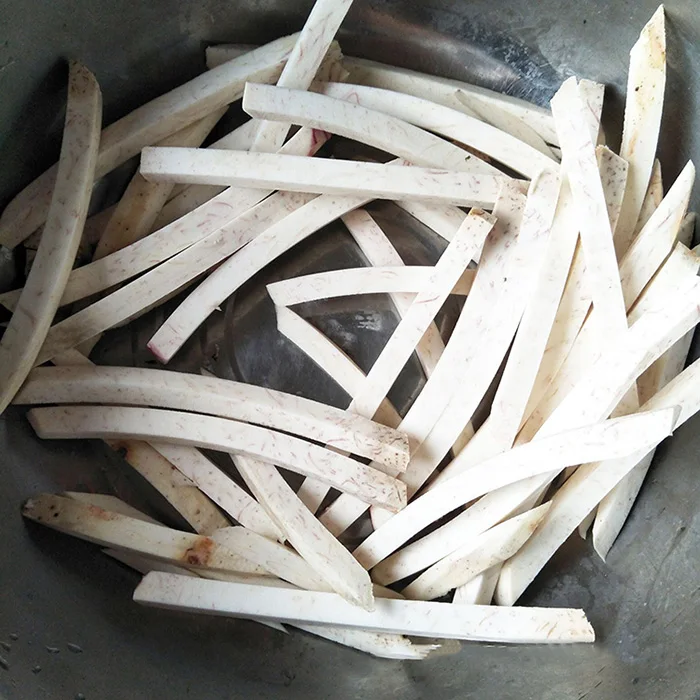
(576, 275)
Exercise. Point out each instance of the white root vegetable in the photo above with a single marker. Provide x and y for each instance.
(143, 293)
(330, 359)
(407, 281)
(476, 556)
(218, 486)
(515, 625)
(653, 197)
(368, 126)
(134, 215)
(149, 124)
(110, 529)
(447, 122)
(444, 220)
(218, 397)
(314, 543)
(40, 297)
(609, 439)
(478, 591)
(587, 487)
(322, 176)
(466, 244)
(646, 83)
(111, 503)
(314, 41)
(491, 106)
(225, 435)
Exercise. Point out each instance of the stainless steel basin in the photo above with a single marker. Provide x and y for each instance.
(55, 591)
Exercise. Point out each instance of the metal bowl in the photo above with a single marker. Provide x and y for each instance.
(68, 628)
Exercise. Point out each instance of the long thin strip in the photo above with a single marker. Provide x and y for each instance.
(443, 219)
(322, 176)
(220, 434)
(136, 211)
(451, 123)
(610, 439)
(110, 529)
(330, 359)
(408, 280)
(516, 625)
(586, 488)
(476, 556)
(319, 548)
(147, 460)
(478, 591)
(219, 397)
(368, 126)
(466, 244)
(268, 246)
(653, 197)
(314, 41)
(149, 124)
(221, 488)
(42, 293)
(646, 83)
(156, 285)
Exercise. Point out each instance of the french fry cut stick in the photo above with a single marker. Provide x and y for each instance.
(40, 297)
(513, 625)
(478, 591)
(653, 197)
(208, 432)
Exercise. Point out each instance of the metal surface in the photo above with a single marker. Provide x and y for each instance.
(56, 592)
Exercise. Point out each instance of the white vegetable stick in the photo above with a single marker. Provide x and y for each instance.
(322, 176)
(500, 259)
(368, 126)
(593, 96)
(221, 434)
(609, 439)
(330, 358)
(223, 490)
(319, 548)
(501, 427)
(406, 281)
(136, 211)
(652, 199)
(400, 346)
(107, 502)
(148, 461)
(646, 82)
(476, 556)
(111, 529)
(613, 175)
(585, 524)
(490, 105)
(40, 297)
(516, 625)
(587, 487)
(152, 288)
(219, 397)
(444, 220)
(314, 41)
(687, 229)
(483, 137)
(149, 124)
(579, 158)
(478, 591)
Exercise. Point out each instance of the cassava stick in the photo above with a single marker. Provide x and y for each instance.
(322, 176)
(111, 529)
(609, 439)
(136, 211)
(368, 126)
(143, 293)
(447, 122)
(476, 556)
(149, 124)
(653, 197)
(221, 434)
(311, 46)
(589, 484)
(40, 297)
(646, 82)
(406, 281)
(515, 625)
(219, 397)
(478, 591)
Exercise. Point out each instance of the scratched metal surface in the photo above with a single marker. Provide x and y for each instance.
(56, 592)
